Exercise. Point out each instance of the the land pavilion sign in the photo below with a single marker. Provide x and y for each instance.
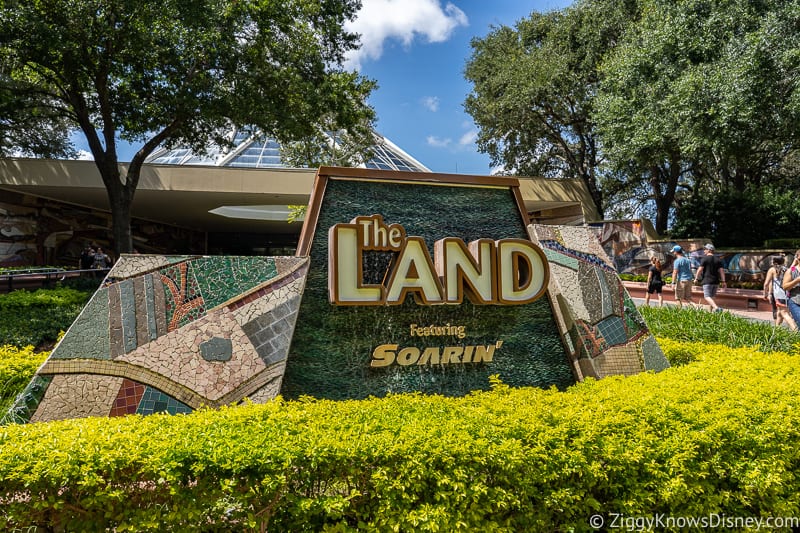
(403, 283)
(420, 282)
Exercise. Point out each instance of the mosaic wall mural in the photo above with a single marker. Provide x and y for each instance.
(631, 243)
(604, 332)
(39, 231)
(171, 334)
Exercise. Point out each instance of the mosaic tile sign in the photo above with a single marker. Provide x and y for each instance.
(171, 334)
(604, 332)
(403, 282)
(355, 351)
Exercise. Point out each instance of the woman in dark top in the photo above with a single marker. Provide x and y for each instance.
(654, 281)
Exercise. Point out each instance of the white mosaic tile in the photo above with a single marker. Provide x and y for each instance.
(177, 356)
(77, 396)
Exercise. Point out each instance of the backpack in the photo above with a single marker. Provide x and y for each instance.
(777, 283)
(794, 293)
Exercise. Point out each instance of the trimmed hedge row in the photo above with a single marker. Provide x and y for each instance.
(36, 318)
(720, 435)
(17, 367)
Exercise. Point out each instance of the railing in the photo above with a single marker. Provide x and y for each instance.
(42, 277)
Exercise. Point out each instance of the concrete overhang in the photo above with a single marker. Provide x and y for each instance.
(185, 195)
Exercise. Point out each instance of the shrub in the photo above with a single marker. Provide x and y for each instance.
(719, 436)
(36, 318)
(17, 367)
(696, 325)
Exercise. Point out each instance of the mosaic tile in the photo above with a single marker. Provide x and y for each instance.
(600, 324)
(154, 401)
(267, 392)
(88, 335)
(141, 307)
(27, 402)
(127, 307)
(271, 332)
(221, 278)
(77, 396)
(653, 355)
(216, 349)
(613, 330)
(184, 302)
(177, 356)
(129, 265)
(128, 398)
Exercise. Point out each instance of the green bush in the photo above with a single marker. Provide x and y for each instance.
(718, 436)
(696, 325)
(36, 318)
(17, 367)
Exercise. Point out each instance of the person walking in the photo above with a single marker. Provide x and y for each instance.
(682, 277)
(654, 281)
(775, 295)
(791, 285)
(711, 275)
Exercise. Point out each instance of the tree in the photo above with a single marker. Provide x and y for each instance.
(700, 97)
(328, 146)
(533, 88)
(29, 126)
(179, 71)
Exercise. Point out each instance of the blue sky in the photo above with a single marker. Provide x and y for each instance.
(417, 50)
(422, 49)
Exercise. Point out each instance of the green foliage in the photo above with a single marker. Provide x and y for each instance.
(717, 436)
(697, 325)
(533, 87)
(17, 366)
(727, 218)
(173, 72)
(37, 318)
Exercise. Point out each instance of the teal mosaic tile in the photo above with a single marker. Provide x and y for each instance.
(150, 303)
(560, 259)
(654, 358)
(128, 311)
(155, 401)
(88, 337)
(613, 330)
(28, 401)
(222, 278)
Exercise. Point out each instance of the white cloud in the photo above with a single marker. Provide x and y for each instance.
(431, 102)
(403, 20)
(437, 142)
(84, 155)
(468, 138)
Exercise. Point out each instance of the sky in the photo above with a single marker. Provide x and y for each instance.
(416, 51)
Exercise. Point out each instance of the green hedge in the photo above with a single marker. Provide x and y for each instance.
(17, 366)
(721, 435)
(36, 318)
(697, 325)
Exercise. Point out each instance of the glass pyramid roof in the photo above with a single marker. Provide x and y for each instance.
(251, 149)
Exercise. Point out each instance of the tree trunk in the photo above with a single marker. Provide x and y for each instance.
(120, 200)
(596, 194)
(121, 225)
